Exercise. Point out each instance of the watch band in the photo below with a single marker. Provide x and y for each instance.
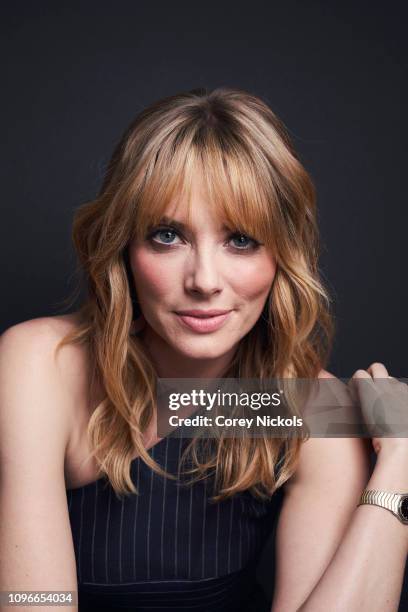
(397, 503)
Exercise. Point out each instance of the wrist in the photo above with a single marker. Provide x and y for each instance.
(397, 503)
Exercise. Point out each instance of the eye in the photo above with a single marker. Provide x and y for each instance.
(166, 235)
(244, 242)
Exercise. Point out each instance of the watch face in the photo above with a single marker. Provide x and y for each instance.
(404, 508)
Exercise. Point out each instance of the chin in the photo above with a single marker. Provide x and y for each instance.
(210, 349)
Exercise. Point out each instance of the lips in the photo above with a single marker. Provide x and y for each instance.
(203, 321)
(202, 313)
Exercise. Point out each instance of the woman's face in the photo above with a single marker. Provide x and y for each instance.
(200, 267)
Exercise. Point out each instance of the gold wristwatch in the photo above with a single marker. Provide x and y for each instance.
(397, 503)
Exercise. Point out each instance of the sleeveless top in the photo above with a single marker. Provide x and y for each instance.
(168, 548)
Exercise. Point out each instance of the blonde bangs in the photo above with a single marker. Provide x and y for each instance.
(237, 185)
(165, 182)
(239, 189)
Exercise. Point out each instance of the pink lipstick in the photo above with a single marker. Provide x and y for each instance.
(203, 321)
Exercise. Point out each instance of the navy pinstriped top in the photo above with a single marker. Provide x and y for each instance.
(167, 548)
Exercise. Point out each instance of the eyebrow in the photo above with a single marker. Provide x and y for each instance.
(180, 225)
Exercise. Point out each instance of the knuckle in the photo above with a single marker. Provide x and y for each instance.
(360, 372)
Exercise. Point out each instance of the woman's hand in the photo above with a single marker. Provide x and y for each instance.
(384, 406)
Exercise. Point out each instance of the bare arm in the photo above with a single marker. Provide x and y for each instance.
(333, 555)
(319, 501)
(35, 536)
(367, 571)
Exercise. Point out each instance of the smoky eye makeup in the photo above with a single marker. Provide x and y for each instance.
(250, 245)
(162, 230)
(240, 241)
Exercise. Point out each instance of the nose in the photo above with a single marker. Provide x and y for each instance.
(203, 275)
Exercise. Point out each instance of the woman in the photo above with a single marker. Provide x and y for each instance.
(204, 207)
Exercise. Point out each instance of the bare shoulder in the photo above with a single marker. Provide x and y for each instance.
(35, 342)
(32, 398)
(42, 332)
(39, 386)
(33, 333)
(35, 426)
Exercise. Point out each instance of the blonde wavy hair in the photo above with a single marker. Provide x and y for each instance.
(256, 182)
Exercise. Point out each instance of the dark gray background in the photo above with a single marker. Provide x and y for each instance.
(75, 74)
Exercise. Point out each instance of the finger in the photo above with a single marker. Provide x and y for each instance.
(361, 374)
(353, 383)
(377, 370)
(365, 392)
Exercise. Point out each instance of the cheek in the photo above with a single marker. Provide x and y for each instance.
(253, 279)
(152, 279)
